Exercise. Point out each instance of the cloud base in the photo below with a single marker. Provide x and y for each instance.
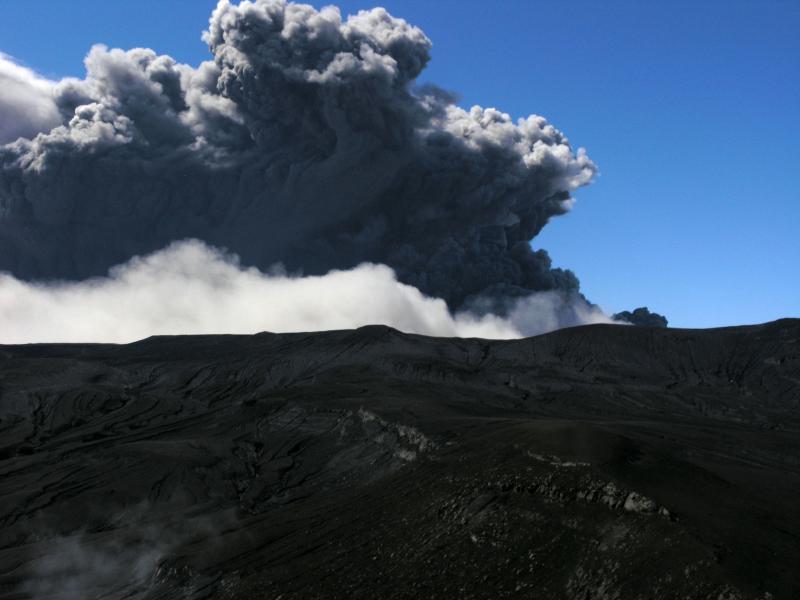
(192, 288)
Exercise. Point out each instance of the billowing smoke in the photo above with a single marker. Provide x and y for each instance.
(124, 560)
(192, 288)
(305, 141)
(27, 105)
(74, 570)
(641, 317)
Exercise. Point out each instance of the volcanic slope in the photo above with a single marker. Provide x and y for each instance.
(593, 462)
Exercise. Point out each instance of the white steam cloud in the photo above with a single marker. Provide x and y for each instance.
(27, 106)
(191, 288)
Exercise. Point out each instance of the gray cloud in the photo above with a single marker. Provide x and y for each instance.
(303, 141)
(642, 317)
(27, 106)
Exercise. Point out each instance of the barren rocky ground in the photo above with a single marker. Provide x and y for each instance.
(600, 462)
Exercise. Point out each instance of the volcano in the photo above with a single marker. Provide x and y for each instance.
(594, 462)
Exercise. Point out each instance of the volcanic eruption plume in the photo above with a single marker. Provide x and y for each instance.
(304, 142)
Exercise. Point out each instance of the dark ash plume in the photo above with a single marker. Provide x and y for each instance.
(642, 317)
(304, 142)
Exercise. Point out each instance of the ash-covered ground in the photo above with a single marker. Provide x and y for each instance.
(600, 462)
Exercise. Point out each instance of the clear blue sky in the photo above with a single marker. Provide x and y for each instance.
(691, 109)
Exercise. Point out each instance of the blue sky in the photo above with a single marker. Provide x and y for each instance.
(690, 109)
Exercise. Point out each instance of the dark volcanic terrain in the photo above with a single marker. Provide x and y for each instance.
(600, 462)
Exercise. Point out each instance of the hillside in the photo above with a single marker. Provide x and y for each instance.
(593, 462)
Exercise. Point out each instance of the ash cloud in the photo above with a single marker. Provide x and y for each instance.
(304, 141)
(192, 288)
(641, 317)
